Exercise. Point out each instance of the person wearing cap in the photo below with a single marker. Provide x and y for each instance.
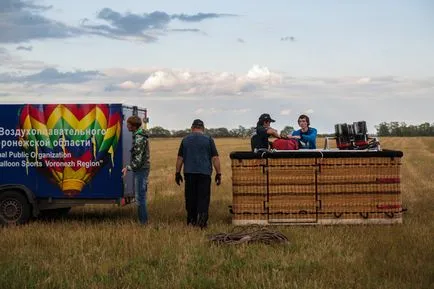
(306, 135)
(197, 154)
(139, 165)
(263, 131)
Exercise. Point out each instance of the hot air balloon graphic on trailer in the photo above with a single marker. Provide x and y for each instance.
(72, 142)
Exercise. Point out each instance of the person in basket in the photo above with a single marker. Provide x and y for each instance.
(306, 135)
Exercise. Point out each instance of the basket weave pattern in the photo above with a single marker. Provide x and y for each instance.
(317, 190)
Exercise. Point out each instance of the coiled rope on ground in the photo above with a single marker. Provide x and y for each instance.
(249, 234)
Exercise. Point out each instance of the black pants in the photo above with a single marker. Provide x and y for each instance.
(197, 198)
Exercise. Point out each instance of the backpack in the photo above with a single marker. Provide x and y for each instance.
(285, 144)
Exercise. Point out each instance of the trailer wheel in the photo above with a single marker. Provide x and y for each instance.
(14, 208)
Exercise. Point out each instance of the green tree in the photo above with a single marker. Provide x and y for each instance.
(424, 129)
(158, 131)
(383, 129)
(395, 128)
(180, 133)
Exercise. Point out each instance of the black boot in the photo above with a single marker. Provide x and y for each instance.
(202, 221)
(191, 221)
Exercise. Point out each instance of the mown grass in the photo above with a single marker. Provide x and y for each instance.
(104, 247)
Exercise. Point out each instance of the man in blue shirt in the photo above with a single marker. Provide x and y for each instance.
(306, 135)
(198, 154)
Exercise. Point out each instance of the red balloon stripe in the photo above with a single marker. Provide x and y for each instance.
(48, 109)
(114, 119)
(80, 110)
(105, 109)
(24, 114)
(37, 113)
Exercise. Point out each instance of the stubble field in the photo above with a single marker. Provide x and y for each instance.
(104, 247)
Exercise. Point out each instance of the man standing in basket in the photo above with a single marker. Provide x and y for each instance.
(139, 164)
(198, 154)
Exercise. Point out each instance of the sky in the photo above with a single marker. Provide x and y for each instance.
(225, 62)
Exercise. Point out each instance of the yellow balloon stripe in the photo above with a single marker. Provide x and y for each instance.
(112, 155)
(87, 178)
(54, 116)
(41, 127)
(73, 122)
(100, 118)
(70, 173)
(87, 121)
(69, 117)
(110, 132)
(27, 124)
(58, 176)
(113, 130)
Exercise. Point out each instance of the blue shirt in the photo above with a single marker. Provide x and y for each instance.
(197, 150)
(307, 139)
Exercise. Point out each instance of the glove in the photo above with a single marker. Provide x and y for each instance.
(178, 179)
(218, 179)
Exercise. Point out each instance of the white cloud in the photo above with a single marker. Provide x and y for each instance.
(263, 74)
(309, 111)
(363, 80)
(129, 85)
(210, 83)
(161, 80)
(285, 112)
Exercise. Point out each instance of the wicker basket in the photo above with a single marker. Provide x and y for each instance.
(318, 187)
(249, 185)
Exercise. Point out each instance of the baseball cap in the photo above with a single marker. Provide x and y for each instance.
(197, 122)
(266, 116)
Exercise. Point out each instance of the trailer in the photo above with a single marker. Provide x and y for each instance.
(57, 156)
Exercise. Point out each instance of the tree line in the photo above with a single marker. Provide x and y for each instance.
(383, 129)
(241, 131)
(395, 128)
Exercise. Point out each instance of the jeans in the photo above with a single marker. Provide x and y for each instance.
(140, 179)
